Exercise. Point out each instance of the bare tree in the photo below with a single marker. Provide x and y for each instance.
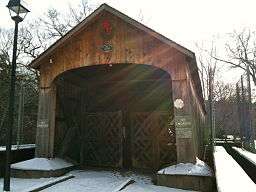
(224, 91)
(208, 68)
(241, 52)
(40, 33)
(221, 103)
(33, 39)
(6, 44)
(77, 14)
(227, 119)
(56, 24)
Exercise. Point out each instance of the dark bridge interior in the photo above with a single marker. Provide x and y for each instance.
(118, 115)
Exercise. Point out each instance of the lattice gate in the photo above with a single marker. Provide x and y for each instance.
(153, 140)
(102, 139)
(98, 138)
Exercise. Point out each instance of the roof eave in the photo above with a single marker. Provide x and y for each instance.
(36, 62)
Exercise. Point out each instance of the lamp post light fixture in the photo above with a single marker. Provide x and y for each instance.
(18, 12)
(17, 9)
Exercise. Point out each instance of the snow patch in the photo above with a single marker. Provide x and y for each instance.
(124, 184)
(246, 154)
(198, 169)
(95, 181)
(92, 181)
(151, 188)
(48, 184)
(42, 164)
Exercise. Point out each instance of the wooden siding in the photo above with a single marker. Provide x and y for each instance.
(130, 45)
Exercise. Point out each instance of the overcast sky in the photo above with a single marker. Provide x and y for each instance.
(184, 21)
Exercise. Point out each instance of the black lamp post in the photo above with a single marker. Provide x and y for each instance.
(18, 12)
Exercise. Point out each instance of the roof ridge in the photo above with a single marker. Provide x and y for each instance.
(126, 18)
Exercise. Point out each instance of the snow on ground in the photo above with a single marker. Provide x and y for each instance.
(150, 188)
(198, 169)
(16, 147)
(93, 181)
(107, 181)
(246, 154)
(46, 184)
(18, 185)
(229, 175)
(42, 164)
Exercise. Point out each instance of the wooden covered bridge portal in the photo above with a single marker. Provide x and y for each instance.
(116, 93)
(115, 116)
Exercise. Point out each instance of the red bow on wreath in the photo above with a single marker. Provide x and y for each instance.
(107, 26)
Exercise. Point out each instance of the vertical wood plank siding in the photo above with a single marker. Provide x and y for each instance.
(130, 45)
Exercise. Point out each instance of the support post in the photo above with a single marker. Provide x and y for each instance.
(20, 116)
(186, 152)
(11, 110)
(46, 122)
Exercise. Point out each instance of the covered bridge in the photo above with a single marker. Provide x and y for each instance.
(113, 92)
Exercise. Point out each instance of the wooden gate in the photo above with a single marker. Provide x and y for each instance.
(102, 139)
(153, 140)
(122, 136)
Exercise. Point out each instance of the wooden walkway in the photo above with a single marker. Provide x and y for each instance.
(230, 177)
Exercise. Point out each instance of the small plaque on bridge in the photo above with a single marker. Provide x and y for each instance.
(183, 126)
(42, 123)
(183, 121)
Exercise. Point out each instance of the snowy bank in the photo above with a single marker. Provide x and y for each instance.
(229, 175)
(187, 176)
(92, 181)
(42, 164)
(246, 154)
(198, 169)
(107, 181)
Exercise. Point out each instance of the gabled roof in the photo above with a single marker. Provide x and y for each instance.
(104, 7)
